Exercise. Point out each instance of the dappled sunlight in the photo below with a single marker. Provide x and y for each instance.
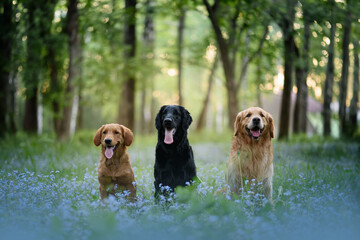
(279, 80)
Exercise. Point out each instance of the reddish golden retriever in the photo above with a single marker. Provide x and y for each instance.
(251, 154)
(114, 170)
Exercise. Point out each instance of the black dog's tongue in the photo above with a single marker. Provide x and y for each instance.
(169, 136)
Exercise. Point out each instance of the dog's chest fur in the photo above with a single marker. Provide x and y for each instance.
(115, 168)
(252, 162)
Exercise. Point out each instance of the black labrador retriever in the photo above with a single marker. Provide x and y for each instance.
(174, 163)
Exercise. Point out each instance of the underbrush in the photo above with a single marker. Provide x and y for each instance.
(50, 190)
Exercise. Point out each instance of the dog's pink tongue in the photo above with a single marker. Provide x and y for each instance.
(255, 133)
(109, 152)
(169, 136)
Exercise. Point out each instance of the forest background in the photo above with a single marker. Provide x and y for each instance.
(71, 65)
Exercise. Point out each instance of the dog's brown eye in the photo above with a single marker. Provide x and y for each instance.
(249, 114)
(116, 132)
(262, 115)
(104, 132)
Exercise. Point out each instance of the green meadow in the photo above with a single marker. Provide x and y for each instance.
(49, 190)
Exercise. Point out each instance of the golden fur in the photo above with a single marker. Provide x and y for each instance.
(251, 158)
(116, 172)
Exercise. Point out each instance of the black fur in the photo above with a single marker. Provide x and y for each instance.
(174, 163)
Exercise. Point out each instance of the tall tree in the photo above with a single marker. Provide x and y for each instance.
(329, 80)
(224, 46)
(355, 98)
(6, 32)
(38, 25)
(127, 104)
(79, 121)
(54, 42)
(180, 45)
(55, 88)
(229, 20)
(301, 69)
(345, 69)
(74, 69)
(285, 16)
(148, 63)
(31, 73)
(201, 119)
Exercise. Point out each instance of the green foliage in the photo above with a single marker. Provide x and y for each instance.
(102, 27)
(43, 153)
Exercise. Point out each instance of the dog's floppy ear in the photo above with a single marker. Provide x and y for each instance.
(128, 135)
(237, 123)
(186, 118)
(271, 126)
(158, 118)
(97, 137)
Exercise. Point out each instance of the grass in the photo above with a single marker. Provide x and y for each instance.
(49, 190)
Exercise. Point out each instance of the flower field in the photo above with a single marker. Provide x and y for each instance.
(50, 191)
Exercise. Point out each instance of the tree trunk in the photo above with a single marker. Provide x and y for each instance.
(203, 113)
(143, 125)
(259, 81)
(80, 112)
(228, 67)
(148, 62)
(233, 105)
(31, 71)
(127, 104)
(344, 73)
(126, 110)
(74, 70)
(30, 117)
(153, 109)
(301, 69)
(181, 28)
(329, 80)
(299, 72)
(286, 24)
(286, 96)
(355, 98)
(304, 88)
(40, 16)
(5, 60)
(74, 114)
(12, 104)
(55, 90)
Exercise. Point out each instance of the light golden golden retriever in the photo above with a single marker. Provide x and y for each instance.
(251, 154)
(114, 171)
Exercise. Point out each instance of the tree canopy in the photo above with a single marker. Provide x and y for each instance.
(72, 64)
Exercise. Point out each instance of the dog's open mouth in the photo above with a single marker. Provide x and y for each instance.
(169, 133)
(255, 132)
(109, 150)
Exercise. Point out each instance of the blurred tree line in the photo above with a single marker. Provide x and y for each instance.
(59, 59)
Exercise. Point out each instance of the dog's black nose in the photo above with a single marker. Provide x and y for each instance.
(256, 120)
(108, 141)
(167, 121)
